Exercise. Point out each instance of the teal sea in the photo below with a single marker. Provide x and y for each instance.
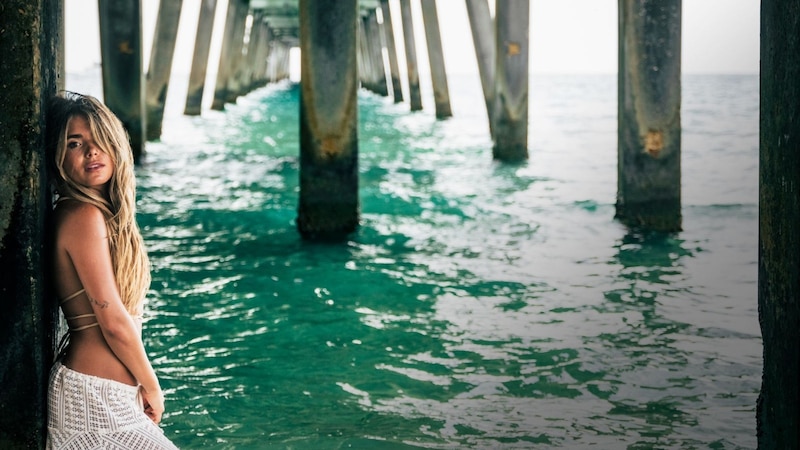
(479, 305)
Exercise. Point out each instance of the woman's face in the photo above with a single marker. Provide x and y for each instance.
(84, 162)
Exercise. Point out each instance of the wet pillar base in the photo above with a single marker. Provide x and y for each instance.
(779, 215)
(649, 120)
(328, 206)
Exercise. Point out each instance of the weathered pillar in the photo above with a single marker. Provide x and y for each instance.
(202, 46)
(263, 57)
(511, 80)
(779, 216)
(441, 93)
(158, 73)
(649, 114)
(237, 61)
(376, 48)
(361, 58)
(123, 76)
(328, 119)
(249, 57)
(480, 21)
(414, 97)
(30, 51)
(366, 55)
(258, 40)
(391, 49)
(226, 56)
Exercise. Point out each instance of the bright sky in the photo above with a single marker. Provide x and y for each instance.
(566, 36)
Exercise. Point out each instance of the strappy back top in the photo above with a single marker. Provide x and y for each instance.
(79, 316)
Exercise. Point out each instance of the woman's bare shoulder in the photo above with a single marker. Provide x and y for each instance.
(79, 217)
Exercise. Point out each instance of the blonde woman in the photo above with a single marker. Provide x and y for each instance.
(103, 392)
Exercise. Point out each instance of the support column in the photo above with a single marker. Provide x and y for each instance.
(328, 119)
(123, 75)
(30, 48)
(364, 46)
(361, 57)
(237, 61)
(480, 21)
(414, 97)
(511, 80)
(391, 49)
(225, 57)
(649, 117)
(441, 93)
(376, 48)
(779, 215)
(158, 73)
(202, 46)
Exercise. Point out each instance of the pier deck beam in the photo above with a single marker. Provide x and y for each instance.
(328, 119)
(391, 49)
(482, 27)
(414, 97)
(779, 214)
(649, 119)
(441, 93)
(511, 80)
(202, 47)
(123, 76)
(158, 73)
(30, 52)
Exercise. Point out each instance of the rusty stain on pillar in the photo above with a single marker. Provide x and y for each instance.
(441, 93)
(329, 203)
(391, 50)
(202, 46)
(511, 80)
(649, 114)
(158, 73)
(122, 68)
(482, 27)
(414, 98)
(225, 57)
(376, 49)
(235, 79)
(777, 409)
(30, 50)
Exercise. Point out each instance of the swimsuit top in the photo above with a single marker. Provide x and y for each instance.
(79, 316)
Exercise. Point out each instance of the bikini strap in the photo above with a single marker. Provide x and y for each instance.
(65, 300)
(85, 327)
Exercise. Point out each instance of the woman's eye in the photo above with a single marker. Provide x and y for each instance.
(73, 144)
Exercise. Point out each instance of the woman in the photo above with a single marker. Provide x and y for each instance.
(103, 392)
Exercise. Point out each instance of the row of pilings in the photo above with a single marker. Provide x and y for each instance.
(332, 59)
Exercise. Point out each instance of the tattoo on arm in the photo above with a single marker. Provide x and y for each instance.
(100, 303)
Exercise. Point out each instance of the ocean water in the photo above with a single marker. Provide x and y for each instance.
(479, 304)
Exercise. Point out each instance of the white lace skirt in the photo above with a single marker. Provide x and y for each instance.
(87, 412)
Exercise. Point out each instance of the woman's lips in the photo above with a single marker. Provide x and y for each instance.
(94, 166)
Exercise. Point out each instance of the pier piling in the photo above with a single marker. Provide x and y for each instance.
(328, 206)
(414, 97)
(441, 93)
(202, 47)
(649, 114)
(482, 27)
(160, 68)
(391, 49)
(376, 50)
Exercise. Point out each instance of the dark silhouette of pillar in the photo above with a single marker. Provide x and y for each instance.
(779, 216)
(441, 93)
(160, 69)
(30, 50)
(480, 21)
(328, 119)
(202, 46)
(649, 117)
(237, 62)
(391, 49)
(226, 56)
(414, 98)
(511, 80)
(123, 75)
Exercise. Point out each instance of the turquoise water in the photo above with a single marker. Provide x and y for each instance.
(479, 305)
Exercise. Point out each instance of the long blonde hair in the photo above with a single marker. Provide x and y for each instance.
(128, 256)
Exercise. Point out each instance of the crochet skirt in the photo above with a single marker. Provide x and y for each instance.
(87, 412)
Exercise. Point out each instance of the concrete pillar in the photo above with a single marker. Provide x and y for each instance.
(480, 21)
(249, 57)
(158, 73)
(363, 49)
(328, 119)
(414, 97)
(376, 49)
(226, 57)
(649, 114)
(391, 49)
(779, 215)
(30, 51)
(240, 26)
(263, 57)
(61, 66)
(123, 75)
(360, 54)
(257, 55)
(202, 46)
(511, 80)
(441, 93)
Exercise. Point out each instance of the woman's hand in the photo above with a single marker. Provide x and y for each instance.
(153, 403)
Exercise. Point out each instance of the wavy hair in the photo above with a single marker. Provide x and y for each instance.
(128, 256)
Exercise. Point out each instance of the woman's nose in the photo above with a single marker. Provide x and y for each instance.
(90, 150)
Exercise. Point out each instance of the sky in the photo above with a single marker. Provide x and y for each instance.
(566, 36)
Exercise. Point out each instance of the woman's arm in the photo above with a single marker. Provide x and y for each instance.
(84, 237)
